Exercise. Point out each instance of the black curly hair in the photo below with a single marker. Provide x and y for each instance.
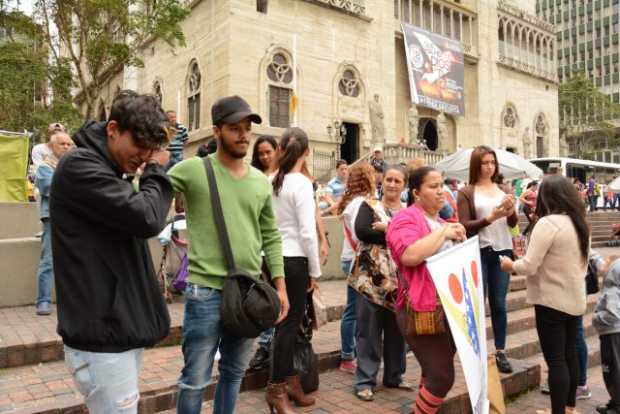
(143, 117)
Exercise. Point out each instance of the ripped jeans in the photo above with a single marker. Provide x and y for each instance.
(202, 337)
(108, 381)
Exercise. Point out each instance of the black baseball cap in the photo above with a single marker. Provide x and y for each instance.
(232, 109)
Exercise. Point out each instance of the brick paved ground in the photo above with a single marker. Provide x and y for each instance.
(21, 326)
(335, 396)
(533, 400)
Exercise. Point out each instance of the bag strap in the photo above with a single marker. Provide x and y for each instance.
(218, 215)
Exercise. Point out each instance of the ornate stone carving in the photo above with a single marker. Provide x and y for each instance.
(510, 117)
(279, 70)
(413, 122)
(527, 143)
(355, 7)
(541, 125)
(377, 120)
(563, 147)
(442, 132)
(507, 7)
(349, 84)
(157, 91)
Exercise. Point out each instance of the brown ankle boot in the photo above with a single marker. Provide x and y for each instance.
(277, 399)
(296, 393)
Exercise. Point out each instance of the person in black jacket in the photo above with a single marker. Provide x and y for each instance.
(108, 299)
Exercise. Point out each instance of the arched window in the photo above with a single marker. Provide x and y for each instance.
(280, 76)
(349, 84)
(193, 96)
(158, 92)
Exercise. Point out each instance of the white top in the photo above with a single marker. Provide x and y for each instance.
(39, 152)
(295, 213)
(348, 222)
(497, 234)
(434, 225)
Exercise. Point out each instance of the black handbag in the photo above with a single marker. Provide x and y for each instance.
(591, 278)
(249, 305)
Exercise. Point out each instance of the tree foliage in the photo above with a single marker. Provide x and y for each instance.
(29, 80)
(100, 37)
(588, 117)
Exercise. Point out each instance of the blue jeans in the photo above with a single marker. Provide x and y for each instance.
(496, 283)
(347, 324)
(582, 353)
(45, 274)
(202, 336)
(108, 381)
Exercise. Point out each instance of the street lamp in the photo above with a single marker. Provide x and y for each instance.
(338, 134)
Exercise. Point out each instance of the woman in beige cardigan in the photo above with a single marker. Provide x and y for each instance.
(555, 266)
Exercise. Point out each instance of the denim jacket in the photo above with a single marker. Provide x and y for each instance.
(43, 181)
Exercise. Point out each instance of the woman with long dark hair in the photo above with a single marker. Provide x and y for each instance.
(294, 208)
(555, 265)
(528, 198)
(265, 155)
(414, 235)
(265, 159)
(360, 186)
(485, 210)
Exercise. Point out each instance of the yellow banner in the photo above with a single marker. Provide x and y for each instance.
(13, 168)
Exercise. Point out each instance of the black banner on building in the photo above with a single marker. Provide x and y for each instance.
(436, 70)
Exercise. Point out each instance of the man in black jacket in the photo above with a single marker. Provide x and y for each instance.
(109, 303)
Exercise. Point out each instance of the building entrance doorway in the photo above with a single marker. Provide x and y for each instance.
(429, 133)
(349, 149)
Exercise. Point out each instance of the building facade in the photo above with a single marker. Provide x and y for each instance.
(587, 35)
(337, 68)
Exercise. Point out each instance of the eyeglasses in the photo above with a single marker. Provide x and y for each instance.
(488, 163)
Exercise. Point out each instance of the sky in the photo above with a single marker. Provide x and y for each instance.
(24, 5)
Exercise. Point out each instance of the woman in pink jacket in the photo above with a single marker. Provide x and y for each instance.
(414, 235)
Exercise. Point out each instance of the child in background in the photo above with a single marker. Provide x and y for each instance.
(607, 322)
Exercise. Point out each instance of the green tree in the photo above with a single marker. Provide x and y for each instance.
(34, 91)
(100, 37)
(587, 116)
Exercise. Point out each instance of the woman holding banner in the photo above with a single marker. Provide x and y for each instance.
(485, 210)
(415, 234)
(555, 265)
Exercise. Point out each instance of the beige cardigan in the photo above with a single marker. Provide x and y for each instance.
(554, 266)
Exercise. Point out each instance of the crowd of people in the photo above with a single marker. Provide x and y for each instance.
(107, 190)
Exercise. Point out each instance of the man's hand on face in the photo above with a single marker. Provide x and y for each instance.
(161, 157)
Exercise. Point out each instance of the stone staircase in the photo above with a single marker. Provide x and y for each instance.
(33, 378)
(601, 222)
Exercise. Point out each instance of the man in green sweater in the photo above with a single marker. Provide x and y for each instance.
(245, 195)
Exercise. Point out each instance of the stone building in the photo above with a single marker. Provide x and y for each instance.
(337, 69)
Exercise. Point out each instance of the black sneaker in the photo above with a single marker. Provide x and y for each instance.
(607, 409)
(260, 361)
(503, 365)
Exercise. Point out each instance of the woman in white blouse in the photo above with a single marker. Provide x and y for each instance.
(294, 208)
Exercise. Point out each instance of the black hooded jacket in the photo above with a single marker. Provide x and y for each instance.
(107, 292)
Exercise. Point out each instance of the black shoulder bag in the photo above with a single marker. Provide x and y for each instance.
(249, 305)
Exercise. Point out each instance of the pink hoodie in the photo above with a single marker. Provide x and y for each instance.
(406, 228)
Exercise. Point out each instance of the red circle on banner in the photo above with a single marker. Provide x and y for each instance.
(474, 272)
(455, 288)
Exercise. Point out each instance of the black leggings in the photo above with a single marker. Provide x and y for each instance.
(557, 332)
(297, 278)
(435, 353)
